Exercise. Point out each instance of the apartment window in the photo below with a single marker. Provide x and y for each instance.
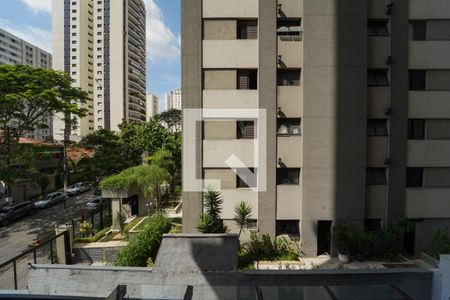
(74, 57)
(288, 77)
(247, 79)
(74, 3)
(289, 30)
(74, 18)
(418, 30)
(74, 73)
(288, 176)
(377, 127)
(416, 129)
(74, 42)
(99, 41)
(414, 177)
(74, 34)
(377, 77)
(99, 25)
(246, 130)
(74, 26)
(245, 178)
(377, 28)
(74, 65)
(288, 227)
(288, 126)
(247, 29)
(417, 80)
(376, 176)
(74, 11)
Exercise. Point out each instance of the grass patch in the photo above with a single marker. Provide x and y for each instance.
(109, 237)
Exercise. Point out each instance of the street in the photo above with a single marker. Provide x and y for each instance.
(16, 237)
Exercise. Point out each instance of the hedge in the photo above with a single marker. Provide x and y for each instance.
(145, 244)
(94, 238)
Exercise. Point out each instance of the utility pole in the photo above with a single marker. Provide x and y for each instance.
(67, 129)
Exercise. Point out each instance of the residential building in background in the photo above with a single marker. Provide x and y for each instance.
(173, 100)
(358, 125)
(102, 44)
(15, 51)
(152, 106)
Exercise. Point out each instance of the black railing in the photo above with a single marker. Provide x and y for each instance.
(54, 250)
(99, 219)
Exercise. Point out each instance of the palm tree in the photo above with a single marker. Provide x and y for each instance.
(242, 215)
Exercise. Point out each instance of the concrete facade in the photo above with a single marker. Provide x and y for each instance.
(341, 83)
(102, 44)
(173, 100)
(152, 106)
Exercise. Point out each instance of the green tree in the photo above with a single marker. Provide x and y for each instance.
(242, 215)
(171, 118)
(27, 97)
(210, 221)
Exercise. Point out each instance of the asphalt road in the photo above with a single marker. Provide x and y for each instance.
(17, 236)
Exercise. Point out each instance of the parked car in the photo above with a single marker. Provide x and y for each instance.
(4, 202)
(94, 203)
(78, 188)
(15, 211)
(50, 199)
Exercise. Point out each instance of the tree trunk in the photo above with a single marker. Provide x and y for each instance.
(67, 130)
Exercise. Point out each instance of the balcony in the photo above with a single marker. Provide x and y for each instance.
(230, 54)
(376, 196)
(429, 104)
(428, 153)
(377, 102)
(230, 99)
(290, 53)
(379, 51)
(289, 202)
(377, 150)
(230, 9)
(428, 203)
(429, 55)
(290, 101)
(217, 152)
(289, 150)
(291, 8)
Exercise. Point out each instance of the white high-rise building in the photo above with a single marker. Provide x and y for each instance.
(173, 100)
(152, 105)
(102, 44)
(15, 51)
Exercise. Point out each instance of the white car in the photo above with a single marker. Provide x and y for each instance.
(50, 199)
(94, 203)
(77, 189)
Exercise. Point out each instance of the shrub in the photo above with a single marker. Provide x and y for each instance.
(94, 238)
(441, 242)
(145, 244)
(210, 221)
(262, 247)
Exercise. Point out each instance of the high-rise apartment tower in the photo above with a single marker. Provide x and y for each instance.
(358, 122)
(102, 44)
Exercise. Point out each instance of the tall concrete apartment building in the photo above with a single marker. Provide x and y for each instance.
(358, 119)
(152, 105)
(173, 100)
(15, 51)
(102, 44)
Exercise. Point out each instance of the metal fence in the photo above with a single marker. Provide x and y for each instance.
(55, 250)
(100, 219)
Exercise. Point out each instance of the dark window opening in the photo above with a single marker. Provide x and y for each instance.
(376, 176)
(377, 77)
(414, 177)
(377, 127)
(247, 29)
(288, 227)
(377, 28)
(418, 30)
(288, 77)
(246, 130)
(288, 126)
(289, 29)
(373, 225)
(246, 178)
(417, 80)
(247, 79)
(324, 237)
(416, 129)
(288, 176)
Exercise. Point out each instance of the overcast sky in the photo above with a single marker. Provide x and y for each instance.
(31, 20)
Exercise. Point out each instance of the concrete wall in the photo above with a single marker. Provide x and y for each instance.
(379, 50)
(334, 115)
(220, 130)
(290, 100)
(291, 8)
(432, 9)
(377, 151)
(289, 149)
(217, 152)
(429, 55)
(289, 202)
(377, 102)
(376, 196)
(428, 203)
(226, 176)
(291, 53)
